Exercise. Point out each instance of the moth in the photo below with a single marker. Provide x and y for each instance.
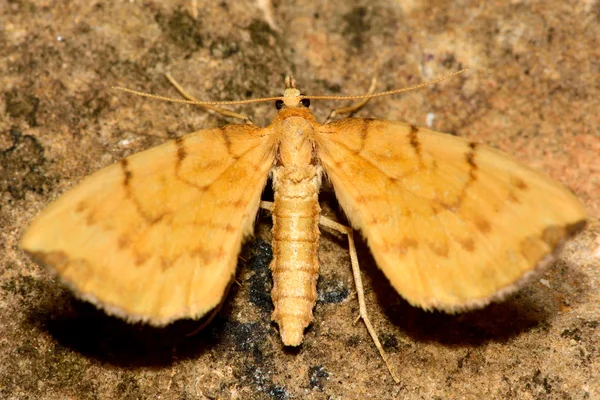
(452, 224)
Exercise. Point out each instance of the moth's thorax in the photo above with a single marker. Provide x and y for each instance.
(295, 130)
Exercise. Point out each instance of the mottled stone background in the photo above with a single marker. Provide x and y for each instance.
(533, 92)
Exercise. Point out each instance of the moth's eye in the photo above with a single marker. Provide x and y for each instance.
(278, 104)
(305, 102)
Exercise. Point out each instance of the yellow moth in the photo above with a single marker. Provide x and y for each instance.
(452, 224)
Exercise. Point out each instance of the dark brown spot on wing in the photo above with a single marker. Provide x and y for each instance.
(181, 151)
(437, 207)
(88, 212)
(518, 183)
(123, 242)
(415, 142)
(483, 225)
(165, 264)
(439, 249)
(91, 218)
(512, 197)
(337, 164)
(126, 172)
(140, 259)
(229, 228)
(452, 207)
(470, 159)
(467, 244)
(207, 256)
(402, 246)
(153, 220)
(81, 207)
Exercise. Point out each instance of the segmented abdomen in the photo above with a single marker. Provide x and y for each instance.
(295, 264)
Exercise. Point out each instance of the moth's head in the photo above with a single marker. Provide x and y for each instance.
(291, 96)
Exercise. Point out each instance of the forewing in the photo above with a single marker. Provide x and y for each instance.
(452, 224)
(155, 237)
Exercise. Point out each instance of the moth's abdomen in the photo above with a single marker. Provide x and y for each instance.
(295, 264)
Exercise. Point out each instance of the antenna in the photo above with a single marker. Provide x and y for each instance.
(290, 83)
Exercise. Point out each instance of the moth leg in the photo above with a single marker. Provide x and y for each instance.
(194, 7)
(218, 110)
(359, 286)
(267, 205)
(354, 107)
